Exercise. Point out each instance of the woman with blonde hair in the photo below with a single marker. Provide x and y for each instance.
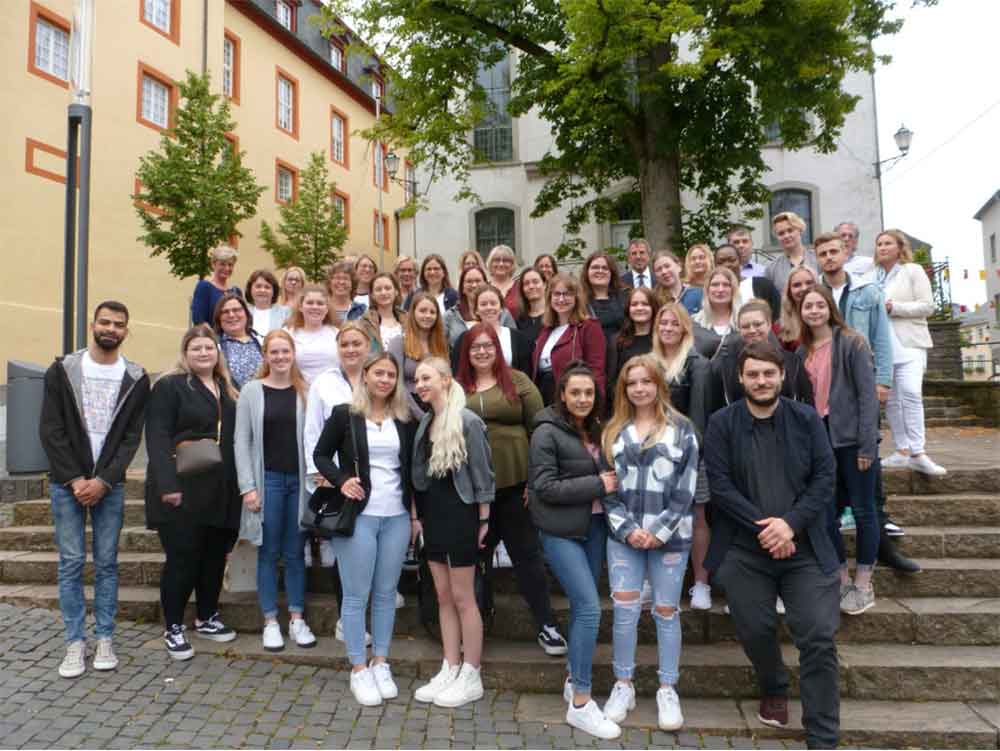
(293, 281)
(655, 447)
(501, 263)
(270, 468)
(196, 515)
(800, 281)
(454, 482)
(364, 451)
(698, 264)
(423, 336)
(314, 330)
(716, 322)
(207, 292)
(405, 271)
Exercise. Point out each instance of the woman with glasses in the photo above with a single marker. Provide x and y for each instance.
(236, 338)
(500, 263)
(602, 292)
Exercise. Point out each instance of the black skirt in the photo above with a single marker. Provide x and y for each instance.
(451, 526)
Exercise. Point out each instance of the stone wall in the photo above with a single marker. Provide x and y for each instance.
(944, 361)
(981, 398)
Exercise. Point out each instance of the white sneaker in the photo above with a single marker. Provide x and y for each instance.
(896, 461)
(446, 675)
(924, 465)
(467, 687)
(301, 633)
(590, 719)
(386, 686)
(105, 657)
(701, 596)
(364, 689)
(307, 554)
(620, 703)
(400, 601)
(326, 555)
(339, 633)
(74, 664)
(779, 606)
(568, 690)
(668, 709)
(271, 637)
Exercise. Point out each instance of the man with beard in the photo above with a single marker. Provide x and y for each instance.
(772, 474)
(91, 424)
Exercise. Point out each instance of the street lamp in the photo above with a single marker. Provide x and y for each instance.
(392, 165)
(903, 138)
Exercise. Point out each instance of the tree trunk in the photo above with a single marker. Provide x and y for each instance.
(659, 186)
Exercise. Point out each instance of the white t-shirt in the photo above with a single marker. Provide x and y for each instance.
(386, 497)
(261, 321)
(101, 385)
(503, 334)
(362, 300)
(545, 358)
(837, 293)
(315, 351)
(389, 334)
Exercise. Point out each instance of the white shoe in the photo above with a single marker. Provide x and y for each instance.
(301, 633)
(701, 596)
(386, 686)
(326, 555)
(668, 709)
(307, 554)
(924, 465)
(400, 601)
(896, 461)
(568, 690)
(468, 686)
(501, 559)
(779, 606)
(74, 664)
(364, 689)
(105, 657)
(590, 719)
(620, 703)
(339, 633)
(446, 675)
(271, 638)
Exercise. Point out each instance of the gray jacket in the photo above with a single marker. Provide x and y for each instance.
(248, 443)
(474, 480)
(454, 325)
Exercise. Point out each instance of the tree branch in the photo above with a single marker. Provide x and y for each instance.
(488, 27)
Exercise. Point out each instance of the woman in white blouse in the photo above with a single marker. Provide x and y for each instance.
(908, 301)
(262, 295)
(314, 330)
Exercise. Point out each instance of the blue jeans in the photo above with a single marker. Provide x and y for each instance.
(370, 562)
(627, 568)
(282, 539)
(577, 566)
(857, 490)
(106, 520)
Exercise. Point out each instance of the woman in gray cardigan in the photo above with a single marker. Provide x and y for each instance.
(270, 468)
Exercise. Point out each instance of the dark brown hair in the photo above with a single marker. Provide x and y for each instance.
(762, 350)
(268, 277)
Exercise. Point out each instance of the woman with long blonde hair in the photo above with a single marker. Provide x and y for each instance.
(698, 264)
(650, 518)
(423, 336)
(293, 281)
(271, 471)
(716, 322)
(454, 482)
(800, 281)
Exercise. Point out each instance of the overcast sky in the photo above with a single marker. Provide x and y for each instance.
(943, 77)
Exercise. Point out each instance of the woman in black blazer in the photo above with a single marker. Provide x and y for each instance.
(372, 440)
(196, 517)
(488, 307)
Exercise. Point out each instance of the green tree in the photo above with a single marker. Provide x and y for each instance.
(667, 96)
(194, 187)
(311, 224)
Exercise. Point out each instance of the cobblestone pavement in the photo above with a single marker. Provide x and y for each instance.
(215, 702)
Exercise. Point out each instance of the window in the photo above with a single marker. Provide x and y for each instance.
(48, 46)
(342, 202)
(231, 66)
(993, 248)
(286, 182)
(162, 16)
(378, 88)
(284, 13)
(409, 182)
(287, 104)
(337, 55)
(380, 175)
(157, 98)
(380, 230)
(493, 136)
(797, 200)
(494, 227)
(338, 136)
(44, 160)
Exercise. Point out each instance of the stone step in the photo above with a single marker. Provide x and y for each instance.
(964, 421)
(956, 509)
(958, 481)
(942, 542)
(42, 538)
(930, 620)
(894, 672)
(39, 513)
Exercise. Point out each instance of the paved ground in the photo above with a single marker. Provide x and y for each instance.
(216, 702)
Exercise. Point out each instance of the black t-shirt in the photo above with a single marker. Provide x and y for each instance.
(642, 344)
(769, 486)
(281, 448)
(611, 313)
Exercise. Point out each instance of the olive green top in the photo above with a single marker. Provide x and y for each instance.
(508, 427)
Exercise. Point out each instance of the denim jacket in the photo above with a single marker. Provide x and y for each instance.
(865, 313)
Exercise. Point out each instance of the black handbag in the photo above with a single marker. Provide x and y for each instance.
(328, 513)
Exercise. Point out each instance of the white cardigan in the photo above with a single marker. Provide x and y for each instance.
(912, 301)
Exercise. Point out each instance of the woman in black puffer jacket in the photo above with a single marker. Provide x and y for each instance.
(565, 487)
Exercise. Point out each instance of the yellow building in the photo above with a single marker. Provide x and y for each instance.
(293, 92)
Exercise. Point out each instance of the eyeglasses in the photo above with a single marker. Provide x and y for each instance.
(487, 347)
(563, 295)
(232, 311)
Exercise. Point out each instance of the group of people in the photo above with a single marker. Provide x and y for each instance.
(714, 411)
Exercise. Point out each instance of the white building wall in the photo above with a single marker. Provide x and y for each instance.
(990, 219)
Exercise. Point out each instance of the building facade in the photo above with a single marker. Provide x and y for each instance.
(292, 91)
(980, 344)
(989, 215)
(825, 189)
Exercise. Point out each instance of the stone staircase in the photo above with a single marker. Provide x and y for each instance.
(921, 669)
(948, 411)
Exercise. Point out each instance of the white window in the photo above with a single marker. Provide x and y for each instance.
(286, 184)
(283, 11)
(341, 205)
(155, 102)
(379, 166)
(286, 104)
(336, 56)
(409, 183)
(228, 65)
(379, 230)
(337, 138)
(157, 13)
(52, 49)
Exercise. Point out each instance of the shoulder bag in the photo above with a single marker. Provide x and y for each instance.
(202, 455)
(328, 513)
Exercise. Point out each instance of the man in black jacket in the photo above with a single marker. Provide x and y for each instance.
(772, 477)
(91, 424)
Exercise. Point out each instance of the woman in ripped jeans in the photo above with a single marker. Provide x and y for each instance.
(654, 452)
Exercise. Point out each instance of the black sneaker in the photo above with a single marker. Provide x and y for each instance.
(177, 644)
(214, 629)
(551, 641)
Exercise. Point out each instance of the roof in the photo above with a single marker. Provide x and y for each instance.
(987, 206)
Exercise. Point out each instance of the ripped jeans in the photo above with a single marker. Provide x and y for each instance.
(627, 568)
